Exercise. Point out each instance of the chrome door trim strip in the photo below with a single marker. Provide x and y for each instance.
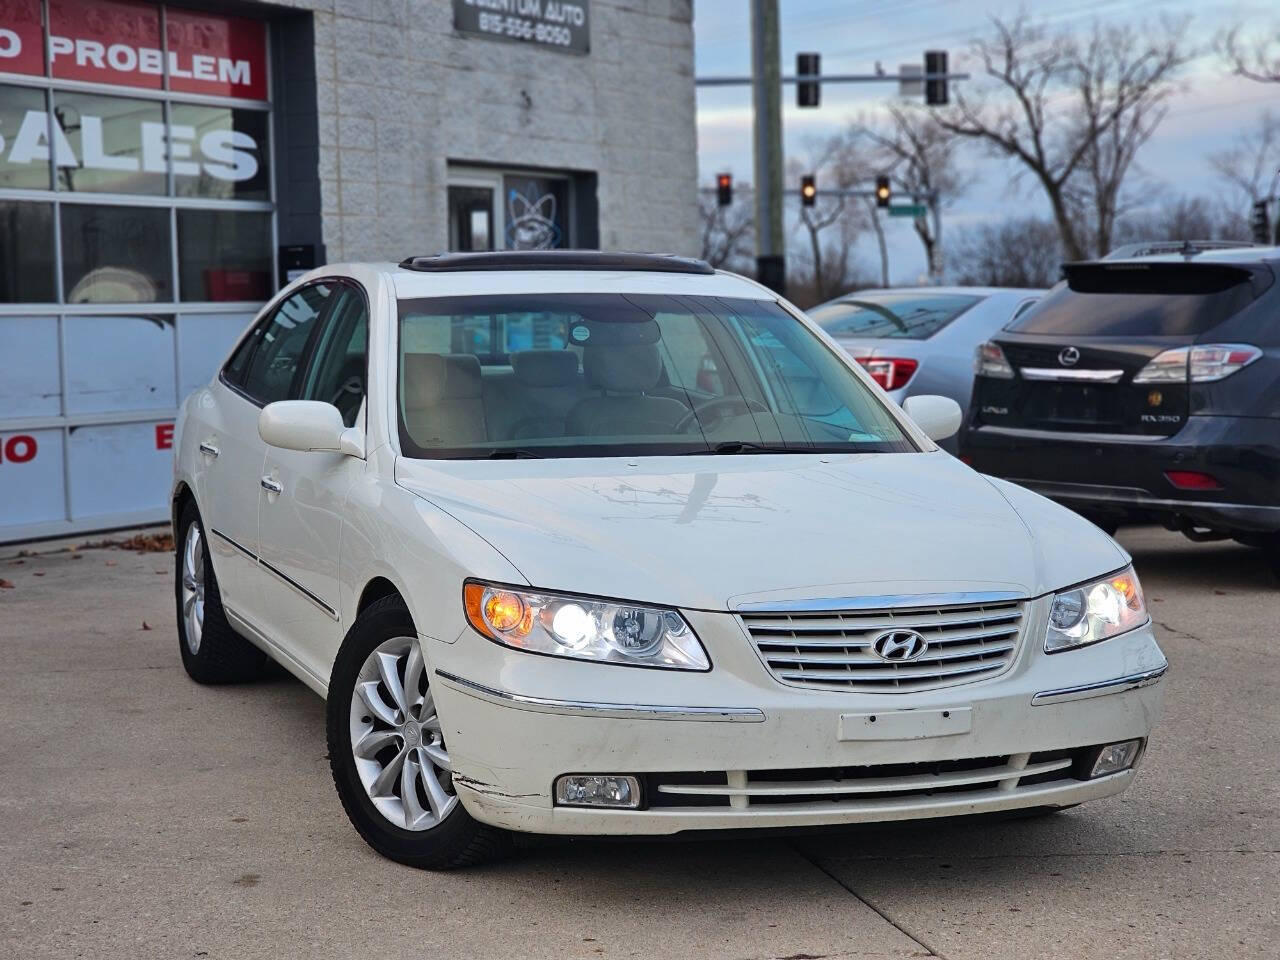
(618, 711)
(1053, 373)
(235, 543)
(1101, 688)
(896, 601)
(332, 613)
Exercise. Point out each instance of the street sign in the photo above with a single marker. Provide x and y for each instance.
(908, 210)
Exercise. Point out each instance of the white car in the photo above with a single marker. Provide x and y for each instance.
(583, 543)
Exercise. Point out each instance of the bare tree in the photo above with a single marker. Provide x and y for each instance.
(831, 226)
(920, 154)
(1257, 58)
(1182, 218)
(728, 233)
(1251, 165)
(1018, 252)
(1073, 115)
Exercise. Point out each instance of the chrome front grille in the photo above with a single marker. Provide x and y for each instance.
(833, 649)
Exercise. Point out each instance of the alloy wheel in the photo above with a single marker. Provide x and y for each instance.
(396, 738)
(193, 587)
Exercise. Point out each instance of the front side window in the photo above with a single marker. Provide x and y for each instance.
(266, 363)
(336, 374)
(903, 316)
(565, 375)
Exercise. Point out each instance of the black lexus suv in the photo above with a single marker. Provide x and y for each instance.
(1144, 387)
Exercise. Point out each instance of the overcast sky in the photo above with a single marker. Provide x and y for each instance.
(851, 36)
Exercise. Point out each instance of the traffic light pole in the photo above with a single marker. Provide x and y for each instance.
(766, 81)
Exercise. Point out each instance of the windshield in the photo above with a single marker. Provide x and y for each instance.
(585, 375)
(905, 316)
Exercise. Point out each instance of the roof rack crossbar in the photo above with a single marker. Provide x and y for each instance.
(556, 260)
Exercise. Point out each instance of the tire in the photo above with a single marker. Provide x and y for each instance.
(212, 652)
(403, 748)
(1271, 550)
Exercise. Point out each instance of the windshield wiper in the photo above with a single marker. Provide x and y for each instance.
(513, 453)
(749, 446)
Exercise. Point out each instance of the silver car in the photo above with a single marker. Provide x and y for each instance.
(921, 340)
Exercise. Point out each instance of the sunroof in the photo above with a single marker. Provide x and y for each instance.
(556, 260)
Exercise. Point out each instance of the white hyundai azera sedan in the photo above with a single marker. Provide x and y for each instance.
(584, 543)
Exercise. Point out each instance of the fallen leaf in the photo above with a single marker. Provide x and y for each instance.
(1220, 593)
(145, 625)
(38, 573)
(111, 563)
(6, 584)
(161, 573)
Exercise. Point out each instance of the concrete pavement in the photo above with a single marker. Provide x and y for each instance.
(144, 816)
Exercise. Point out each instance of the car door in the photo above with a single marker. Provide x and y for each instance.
(262, 370)
(303, 492)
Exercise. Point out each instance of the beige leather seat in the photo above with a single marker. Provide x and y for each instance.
(443, 405)
(625, 374)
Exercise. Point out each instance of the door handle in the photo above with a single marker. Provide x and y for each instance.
(209, 448)
(271, 486)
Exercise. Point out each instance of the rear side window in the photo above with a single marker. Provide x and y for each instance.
(905, 316)
(1163, 300)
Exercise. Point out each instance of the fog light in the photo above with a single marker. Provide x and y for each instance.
(597, 790)
(1115, 757)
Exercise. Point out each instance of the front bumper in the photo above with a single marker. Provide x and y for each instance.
(515, 722)
(1124, 476)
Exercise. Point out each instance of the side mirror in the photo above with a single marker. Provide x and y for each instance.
(938, 417)
(308, 425)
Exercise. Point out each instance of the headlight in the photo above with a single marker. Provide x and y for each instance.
(607, 631)
(1095, 611)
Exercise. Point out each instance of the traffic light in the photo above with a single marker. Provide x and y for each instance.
(935, 91)
(808, 92)
(724, 189)
(808, 189)
(1261, 223)
(883, 191)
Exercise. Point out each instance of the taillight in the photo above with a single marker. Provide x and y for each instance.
(1200, 364)
(1192, 480)
(890, 372)
(989, 361)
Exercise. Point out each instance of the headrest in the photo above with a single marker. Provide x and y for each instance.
(430, 378)
(634, 368)
(545, 368)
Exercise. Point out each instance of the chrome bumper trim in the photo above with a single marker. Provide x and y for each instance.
(1100, 689)
(617, 711)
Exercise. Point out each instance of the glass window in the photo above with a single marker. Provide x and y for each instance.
(1158, 300)
(658, 375)
(220, 152)
(116, 254)
(537, 212)
(903, 316)
(30, 380)
(114, 144)
(277, 344)
(118, 363)
(224, 255)
(24, 139)
(337, 371)
(26, 239)
(470, 218)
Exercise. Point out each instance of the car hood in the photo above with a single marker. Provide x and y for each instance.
(716, 532)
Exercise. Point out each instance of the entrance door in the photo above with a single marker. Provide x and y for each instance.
(509, 210)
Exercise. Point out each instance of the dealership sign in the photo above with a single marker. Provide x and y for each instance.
(146, 147)
(553, 24)
(119, 43)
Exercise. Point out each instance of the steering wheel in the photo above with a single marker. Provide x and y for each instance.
(713, 411)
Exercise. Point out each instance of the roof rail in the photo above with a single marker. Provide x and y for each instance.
(1187, 248)
(556, 260)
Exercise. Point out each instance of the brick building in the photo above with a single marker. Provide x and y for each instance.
(165, 167)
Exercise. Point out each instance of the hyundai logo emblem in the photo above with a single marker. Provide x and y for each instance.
(898, 646)
(1069, 356)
